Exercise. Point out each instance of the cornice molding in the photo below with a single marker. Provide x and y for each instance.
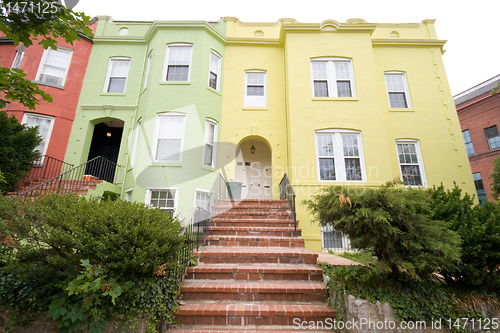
(253, 41)
(108, 107)
(408, 42)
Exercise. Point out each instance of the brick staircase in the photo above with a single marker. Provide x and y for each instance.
(82, 186)
(254, 275)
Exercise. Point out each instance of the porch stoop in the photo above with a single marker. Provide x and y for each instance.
(253, 276)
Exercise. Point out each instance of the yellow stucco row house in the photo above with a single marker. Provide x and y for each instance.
(332, 103)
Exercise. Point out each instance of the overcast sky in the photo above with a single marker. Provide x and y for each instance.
(472, 28)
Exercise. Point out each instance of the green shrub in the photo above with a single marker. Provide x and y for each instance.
(479, 228)
(124, 248)
(395, 224)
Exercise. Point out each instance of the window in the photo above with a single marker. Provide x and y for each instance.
(45, 125)
(468, 143)
(169, 137)
(255, 89)
(136, 142)
(332, 77)
(397, 89)
(116, 78)
(202, 199)
(165, 199)
(178, 62)
(478, 182)
(492, 137)
(210, 141)
(148, 68)
(334, 240)
(410, 162)
(214, 75)
(128, 194)
(340, 155)
(54, 66)
(19, 56)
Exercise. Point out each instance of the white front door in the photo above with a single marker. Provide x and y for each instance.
(255, 174)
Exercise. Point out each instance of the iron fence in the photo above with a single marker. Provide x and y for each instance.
(45, 168)
(287, 193)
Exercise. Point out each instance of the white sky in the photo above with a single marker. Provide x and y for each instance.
(472, 28)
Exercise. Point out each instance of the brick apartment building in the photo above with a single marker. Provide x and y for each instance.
(479, 114)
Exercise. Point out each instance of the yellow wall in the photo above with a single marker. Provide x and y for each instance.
(286, 56)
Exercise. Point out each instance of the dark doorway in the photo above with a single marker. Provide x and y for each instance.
(106, 143)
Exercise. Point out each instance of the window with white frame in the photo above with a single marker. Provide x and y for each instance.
(210, 142)
(255, 89)
(165, 199)
(19, 56)
(492, 137)
(54, 66)
(333, 239)
(468, 143)
(136, 142)
(148, 68)
(45, 125)
(332, 77)
(397, 90)
(215, 69)
(116, 78)
(128, 195)
(202, 199)
(410, 163)
(178, 62)
(340, 155)
(169, 137)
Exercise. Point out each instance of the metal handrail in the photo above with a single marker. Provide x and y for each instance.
(98, 168)
(287, 193)
(45, 168)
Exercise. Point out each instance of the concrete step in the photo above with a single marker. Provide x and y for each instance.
(276, 291)
(255, 241)
(254, 255)
(255, 272)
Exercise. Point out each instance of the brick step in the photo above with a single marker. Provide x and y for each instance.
(229, 240)
(225, 329)
(251, 314)
(259, 255)
(254, 231)
(289, 291)
(252, 205)
(255, 272)
(238, 210)
(244, 222)
(254, 214)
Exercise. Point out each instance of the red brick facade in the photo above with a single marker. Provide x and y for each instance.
(478, 110)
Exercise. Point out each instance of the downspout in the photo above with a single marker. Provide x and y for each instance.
(285, 110)
(133, 127)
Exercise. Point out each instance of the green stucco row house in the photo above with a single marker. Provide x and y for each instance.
(151, 102)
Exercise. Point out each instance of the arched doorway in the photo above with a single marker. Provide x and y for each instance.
(253, 169)
(106, 142)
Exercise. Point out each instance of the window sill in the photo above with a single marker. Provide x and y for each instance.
(112, 94)
(249, 108)
(214, 91)
(48, 84)
(402, 110)
(208, 168)
(334, 98)
(165, 164)
(175, 82)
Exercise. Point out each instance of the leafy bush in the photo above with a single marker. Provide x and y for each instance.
(479, 228)
(126, 250)
(395, 224)
(495, 178)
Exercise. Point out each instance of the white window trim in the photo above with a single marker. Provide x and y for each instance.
(420, 161)
(406, 89)
(214, 150)
(108, 74)
(196, 190)
(157, 129)
(331, 77)
(19, 56)
(176, 199)
(255, 101)
(136, 142)
(339, 162)
(148, 69)
(167, 55)
(218, 73)
(42, 62)
(49, 133)
(128, 194)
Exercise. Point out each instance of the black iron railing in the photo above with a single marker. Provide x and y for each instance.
(45, 168)
(75, 179)
(287, 193)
